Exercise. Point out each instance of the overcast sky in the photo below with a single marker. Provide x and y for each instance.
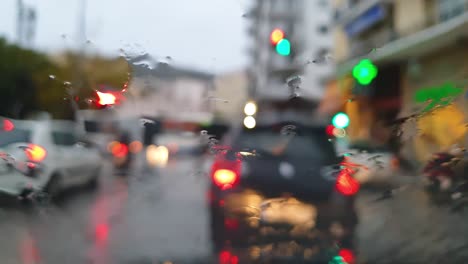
(206, 34)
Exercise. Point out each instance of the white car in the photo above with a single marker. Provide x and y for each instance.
(45, 156)
(373, 165)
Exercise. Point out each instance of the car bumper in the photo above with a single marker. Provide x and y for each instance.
(246, 219)
(14, 183)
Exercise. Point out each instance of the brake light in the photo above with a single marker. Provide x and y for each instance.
(224, 178)
(226, 173)
(119, 150)
(106, 98)
(35, 153)
(8, 125)
(347, 255)
(230, 223)
(346, 184)
(226, 257)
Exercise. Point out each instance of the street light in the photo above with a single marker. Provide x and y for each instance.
(250, 108)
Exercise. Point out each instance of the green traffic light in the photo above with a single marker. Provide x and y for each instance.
(283, 47)
(340, 120)
(365, 71)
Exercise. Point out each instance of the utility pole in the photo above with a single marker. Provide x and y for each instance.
(30, 30)
(19, 22)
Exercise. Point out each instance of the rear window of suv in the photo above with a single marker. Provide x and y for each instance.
(305, 144)
(63, 138)
(14, 136)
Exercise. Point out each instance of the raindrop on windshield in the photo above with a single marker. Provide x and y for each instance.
(66, 83)
(203, 132)
(213, 98)
(294, 81)
(327, 58)
(145, 121)
(52, 77)
(288, 130)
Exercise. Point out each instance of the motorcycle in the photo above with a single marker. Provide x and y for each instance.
(439, 174)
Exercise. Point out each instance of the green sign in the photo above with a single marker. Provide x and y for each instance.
(437, 96)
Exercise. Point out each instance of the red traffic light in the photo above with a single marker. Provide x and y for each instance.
(276, 36)
(329, 130)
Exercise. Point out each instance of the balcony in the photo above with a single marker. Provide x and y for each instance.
(346, 15)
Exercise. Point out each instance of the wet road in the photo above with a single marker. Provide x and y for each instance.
(162, 216)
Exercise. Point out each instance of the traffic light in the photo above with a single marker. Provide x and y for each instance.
(280, 42)
(340, 120)
(365, 71)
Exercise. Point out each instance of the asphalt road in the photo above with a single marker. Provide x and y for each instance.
(157, 216)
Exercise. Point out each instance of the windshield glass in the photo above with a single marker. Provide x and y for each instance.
(15, 136)
(233, 131)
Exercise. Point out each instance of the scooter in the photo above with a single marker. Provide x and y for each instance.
(439, 174)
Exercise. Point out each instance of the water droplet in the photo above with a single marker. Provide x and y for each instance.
(64, 36)
(66, 83)
(89, 42)
(145, 121)
(213, 98)
(203, 132)
(89, 101)
(294, 81)
(52, 77)
(288, 130)
(294, 95)
(169, 57)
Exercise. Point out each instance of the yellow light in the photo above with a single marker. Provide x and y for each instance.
(135, 146)
(249, 122)
(250, 108)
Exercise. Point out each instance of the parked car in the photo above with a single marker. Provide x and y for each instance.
(268, 190)
(45, 155)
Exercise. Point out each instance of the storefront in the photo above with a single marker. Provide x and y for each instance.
(435, 87)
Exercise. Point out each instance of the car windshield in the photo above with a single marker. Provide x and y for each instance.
(15, 136)
(233, 131)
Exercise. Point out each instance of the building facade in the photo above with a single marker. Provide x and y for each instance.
(420, 48)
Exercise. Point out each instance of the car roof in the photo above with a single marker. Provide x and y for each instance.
(65, 125)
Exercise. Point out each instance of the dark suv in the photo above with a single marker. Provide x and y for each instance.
(280, 193)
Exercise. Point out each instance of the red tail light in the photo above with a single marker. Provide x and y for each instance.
(346, 184)
(226, 173)
(230, 223)
(226, 257)
(119, 150)
(106, 98)
(35, 153)
(347, 255)
(8, 125)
